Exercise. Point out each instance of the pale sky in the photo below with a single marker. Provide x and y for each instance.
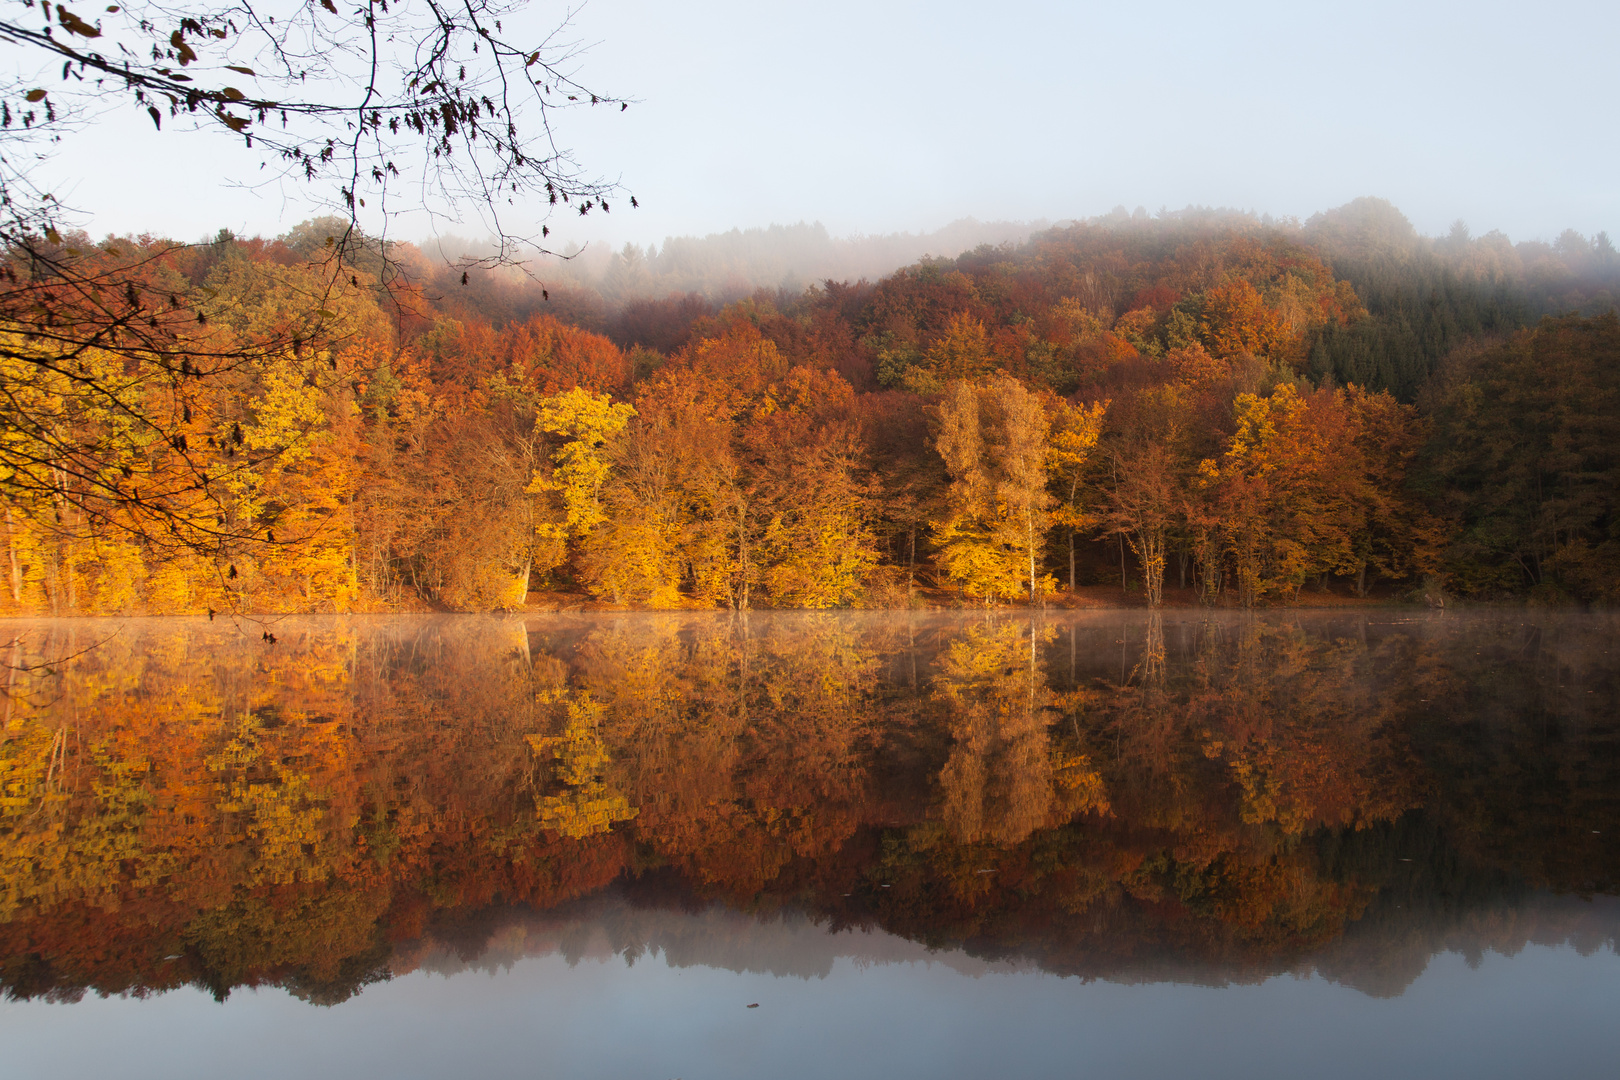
(878, 116)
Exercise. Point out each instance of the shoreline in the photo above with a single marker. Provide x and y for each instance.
(574, 606)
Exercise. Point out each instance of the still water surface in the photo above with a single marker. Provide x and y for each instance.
(1078, 845)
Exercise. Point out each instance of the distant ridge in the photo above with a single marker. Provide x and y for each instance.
(725, 266)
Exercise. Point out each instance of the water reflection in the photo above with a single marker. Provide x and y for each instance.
(1117, 796)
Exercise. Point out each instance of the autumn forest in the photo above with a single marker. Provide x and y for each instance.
(1193, 408)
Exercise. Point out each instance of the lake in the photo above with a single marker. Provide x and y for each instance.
(1107, 844)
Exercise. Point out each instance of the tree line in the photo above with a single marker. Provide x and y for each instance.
(1216, 407)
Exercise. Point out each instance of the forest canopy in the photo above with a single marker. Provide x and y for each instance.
(1195, 407)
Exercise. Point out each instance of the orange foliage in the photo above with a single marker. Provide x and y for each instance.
(400, 449)
(1236, 320)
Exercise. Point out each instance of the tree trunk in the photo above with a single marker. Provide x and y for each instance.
(1150, 549)
(72, 585)
(64, 548)
(1207, 571)
(911, 564)
(16, 567)
(1029, 542)
(1071, 560)
(740, 595)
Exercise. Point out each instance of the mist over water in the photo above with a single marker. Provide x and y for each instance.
(641, 824)
(978, 648)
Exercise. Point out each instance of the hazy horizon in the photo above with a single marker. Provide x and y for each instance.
(894, 119)
(609, 243)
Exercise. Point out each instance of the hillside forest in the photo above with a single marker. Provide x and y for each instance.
(1190, 407)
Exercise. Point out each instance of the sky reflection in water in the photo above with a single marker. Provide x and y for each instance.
(1327, 844)
(1546, 1011)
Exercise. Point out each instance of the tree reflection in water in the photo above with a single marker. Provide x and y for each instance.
(1122, 795)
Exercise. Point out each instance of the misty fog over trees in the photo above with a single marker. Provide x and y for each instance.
(1199, 406)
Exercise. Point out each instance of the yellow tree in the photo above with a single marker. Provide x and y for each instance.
(657, 526)
(1242, 481)
(283, 433)
(276, 474)
(993, 438)
(1286, 490)
(587, 424)
(1075, 430)
(89, 491)
(963, 352)
(815, 546)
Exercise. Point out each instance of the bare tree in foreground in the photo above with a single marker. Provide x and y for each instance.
(372, 109)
